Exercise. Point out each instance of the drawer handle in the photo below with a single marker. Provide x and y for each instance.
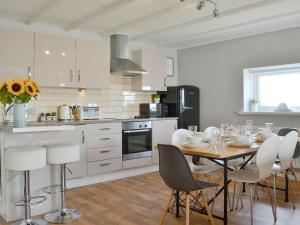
(104, 164)
(105, 139)
(105, 128)
(105, 151)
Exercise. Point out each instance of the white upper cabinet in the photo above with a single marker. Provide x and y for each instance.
(16, 54)
(92, 64)
(154, 62)
(54, 61)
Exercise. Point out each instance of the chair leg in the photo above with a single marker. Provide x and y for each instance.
(291, 191)
(163, 216)
(272, 199)
(274, 196)
(207, 208)
(240, 198)
(233, 195)
(251, 203)
(187, 208)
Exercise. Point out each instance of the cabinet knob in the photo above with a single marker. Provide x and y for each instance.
(165, 82)
(104, 164)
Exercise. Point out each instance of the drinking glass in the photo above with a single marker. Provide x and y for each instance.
(192, 128)
(249, 127)
(268, 127)
(223, 128)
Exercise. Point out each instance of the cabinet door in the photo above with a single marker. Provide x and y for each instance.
(92, 64)
(54, 61)
(79, 169)
(16, 54)
(154, 62)
(162, 131)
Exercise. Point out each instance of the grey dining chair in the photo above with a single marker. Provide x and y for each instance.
(176, 173)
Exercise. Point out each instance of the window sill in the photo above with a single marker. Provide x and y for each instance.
(242, 113)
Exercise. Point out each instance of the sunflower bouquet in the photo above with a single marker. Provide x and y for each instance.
(18, 91)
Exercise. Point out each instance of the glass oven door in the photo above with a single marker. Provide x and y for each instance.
(137, 144)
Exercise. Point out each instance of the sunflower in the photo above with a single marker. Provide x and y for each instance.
(37, 87)
(16, 87)
(30, 88)
(2, 84)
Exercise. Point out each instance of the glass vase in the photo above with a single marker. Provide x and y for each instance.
(19, 116)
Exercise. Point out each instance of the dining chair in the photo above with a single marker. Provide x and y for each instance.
(176, 173)
(265, 158)
(285, 155)
(283, 132)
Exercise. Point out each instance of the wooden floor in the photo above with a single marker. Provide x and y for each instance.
(140, 201)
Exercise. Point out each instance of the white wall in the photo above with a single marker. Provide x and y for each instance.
(217, 70)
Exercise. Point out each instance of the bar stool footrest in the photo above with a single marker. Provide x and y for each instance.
(53, 189)
(36, 200)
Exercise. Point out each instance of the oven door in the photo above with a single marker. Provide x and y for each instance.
(137, 144)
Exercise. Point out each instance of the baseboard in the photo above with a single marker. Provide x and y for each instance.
(79, 182)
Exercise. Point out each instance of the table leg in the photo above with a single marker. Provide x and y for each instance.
(177, 204)
(286, 188)
(225, 191)
(244, 184)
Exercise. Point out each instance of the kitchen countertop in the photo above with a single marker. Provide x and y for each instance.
(69, 125)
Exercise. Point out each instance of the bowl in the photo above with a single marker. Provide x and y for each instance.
(240, 139)
(194, 139)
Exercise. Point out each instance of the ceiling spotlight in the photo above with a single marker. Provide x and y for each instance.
(200, 5)
(216, 12)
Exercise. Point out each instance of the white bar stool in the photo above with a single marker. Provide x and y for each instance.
(26, 159)
(62, 154)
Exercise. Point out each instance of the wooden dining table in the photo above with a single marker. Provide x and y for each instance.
(221, 158)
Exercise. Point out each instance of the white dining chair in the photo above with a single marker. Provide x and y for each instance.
(286, 152)
(263, 168)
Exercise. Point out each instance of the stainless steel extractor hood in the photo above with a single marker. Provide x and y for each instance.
(119, 61)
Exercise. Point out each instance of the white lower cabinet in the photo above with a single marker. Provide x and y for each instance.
(104, 166)
(162, 131)
(104, 142)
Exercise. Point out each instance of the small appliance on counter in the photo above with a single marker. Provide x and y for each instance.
(152, 110)
(88, 113)
(65, 113)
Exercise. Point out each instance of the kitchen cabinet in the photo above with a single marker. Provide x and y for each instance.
(16, 54)
(54, 61)
(162, 131)
(104, 143)
(79, 169)
(154, 62)
(92, 64)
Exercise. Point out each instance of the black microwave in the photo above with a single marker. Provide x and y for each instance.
(152, 110)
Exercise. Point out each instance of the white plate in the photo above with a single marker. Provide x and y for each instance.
(198, 145)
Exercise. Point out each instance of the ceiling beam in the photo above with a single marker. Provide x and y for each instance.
(143, 19)
(49, 5)
(101, 11)
(208, 18)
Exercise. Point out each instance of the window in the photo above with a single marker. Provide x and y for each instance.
(276, 88)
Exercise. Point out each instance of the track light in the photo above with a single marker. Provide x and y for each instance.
(201, 4)
(216, 12)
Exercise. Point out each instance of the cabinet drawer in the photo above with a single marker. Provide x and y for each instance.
(104, 140)
(95, 154)
(103, 128)
(104, 166)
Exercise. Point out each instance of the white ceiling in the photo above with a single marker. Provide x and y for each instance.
(168, 22)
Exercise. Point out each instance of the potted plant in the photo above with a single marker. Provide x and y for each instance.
(54, 116)
(48, 117)
(156, 98)
(18, 92)
(254, 105)
(43, 117)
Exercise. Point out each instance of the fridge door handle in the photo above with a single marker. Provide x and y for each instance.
(187, 107)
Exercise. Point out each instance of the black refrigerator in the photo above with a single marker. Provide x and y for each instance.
(183, 102)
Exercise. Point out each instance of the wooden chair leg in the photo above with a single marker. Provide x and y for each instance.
(187, 208)
(207, 209)
(163, 216)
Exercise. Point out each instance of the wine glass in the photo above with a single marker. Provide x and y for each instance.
(192, 128)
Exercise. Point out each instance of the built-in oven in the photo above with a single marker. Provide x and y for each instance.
(137, 140)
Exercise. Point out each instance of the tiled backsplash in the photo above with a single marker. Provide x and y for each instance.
(115, 101)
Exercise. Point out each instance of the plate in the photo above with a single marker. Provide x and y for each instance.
(200, 145)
